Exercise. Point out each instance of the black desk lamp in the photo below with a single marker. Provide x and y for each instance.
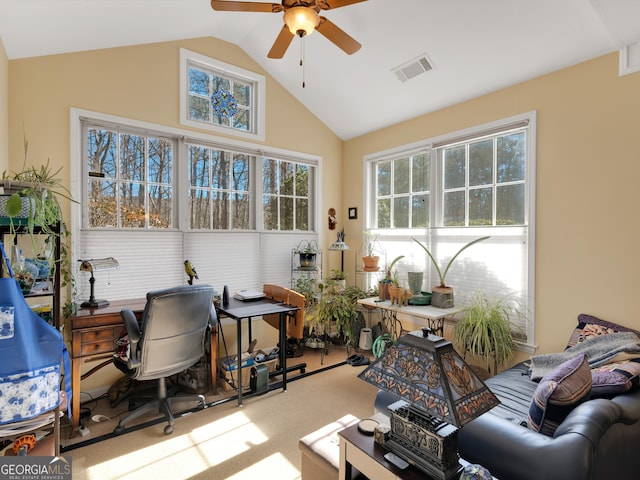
(96, 265)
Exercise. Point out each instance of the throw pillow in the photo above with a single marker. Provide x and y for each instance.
(559, 392)
(590, 326)
(615, 378)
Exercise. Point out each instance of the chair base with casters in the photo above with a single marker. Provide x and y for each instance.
(161, 403)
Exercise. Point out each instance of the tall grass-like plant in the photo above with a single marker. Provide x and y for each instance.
(485, 328)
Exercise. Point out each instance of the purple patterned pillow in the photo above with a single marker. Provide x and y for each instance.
(615, 378)
(590, 326)
(559, 392)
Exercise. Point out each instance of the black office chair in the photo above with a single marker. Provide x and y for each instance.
(169, 339)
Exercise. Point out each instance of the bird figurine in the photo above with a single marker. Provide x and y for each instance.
(190, 271)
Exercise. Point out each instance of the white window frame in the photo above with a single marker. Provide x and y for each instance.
(257, 132)
(152, 259)
(397, 241)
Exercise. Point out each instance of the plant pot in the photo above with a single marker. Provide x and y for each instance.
(370, 264)
(442, 297)
(415, 282)
(307, 260)
(383, 290)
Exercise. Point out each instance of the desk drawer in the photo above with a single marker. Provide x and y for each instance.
(97, 335)
(98, 347)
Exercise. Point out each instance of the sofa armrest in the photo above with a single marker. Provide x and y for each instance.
(511, 451)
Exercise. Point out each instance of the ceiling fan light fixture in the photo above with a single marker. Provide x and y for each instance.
(301, 20)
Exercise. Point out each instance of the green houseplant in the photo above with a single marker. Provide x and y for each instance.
(484, 327)
(442, 295)
(41, 189)
(370, 252)
(390, 278)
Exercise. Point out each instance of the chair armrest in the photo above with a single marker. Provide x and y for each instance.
(133, 331)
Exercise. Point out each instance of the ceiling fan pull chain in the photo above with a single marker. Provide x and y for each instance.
(302, 59)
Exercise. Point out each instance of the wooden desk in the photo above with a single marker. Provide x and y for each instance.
(432, 316)
(94, 334)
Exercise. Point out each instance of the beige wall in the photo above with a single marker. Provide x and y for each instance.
(4, 109)
(588, 167)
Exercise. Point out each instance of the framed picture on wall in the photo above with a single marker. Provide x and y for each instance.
(353, 213)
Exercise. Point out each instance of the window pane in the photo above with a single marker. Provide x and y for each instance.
(160, 160)
(286, 213)
(242, 119)
(454, 167)
(242, 93)
(401, 176)
(510, 205)
(286, 178)
(420, 211)
(269, 176)
(199, 108)
(220, 169)
(241, 211)
(102, 209)
(199, 162)
(241, 173)
(384, 213)
(160, 206)
(401, 212)
(420, 177)
(199, 208)
(511, 157)
(302, 180)
(132, 161)
(220, 205)
(383, 174)
(102, 152)
(453, 212)
(481, 206)
(302, 214)
(199, 82)
(270, 212)
(132, 209)
(481, 163)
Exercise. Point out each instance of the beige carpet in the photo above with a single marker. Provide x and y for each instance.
(258, 441)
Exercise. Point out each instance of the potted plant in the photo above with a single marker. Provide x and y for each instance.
(442, 295)
(39, 189)
(370, 252)
(390, 276)
(307, 251)
(484, 327)
(339, 306)
(340, 277)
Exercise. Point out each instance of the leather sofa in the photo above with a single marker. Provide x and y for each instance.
(597, 440)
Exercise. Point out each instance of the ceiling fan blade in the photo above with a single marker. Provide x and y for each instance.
(281, 44)
(329, 4)
(338, 36)
(230, 6)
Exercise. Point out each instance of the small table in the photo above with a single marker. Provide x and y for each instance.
(360, 451)
(434, 316)
(239, 309)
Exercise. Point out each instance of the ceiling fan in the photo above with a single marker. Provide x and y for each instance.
(300, 18)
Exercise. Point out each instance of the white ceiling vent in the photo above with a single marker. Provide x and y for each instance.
(413, 68)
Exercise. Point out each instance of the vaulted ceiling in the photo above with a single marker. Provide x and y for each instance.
(474, 46)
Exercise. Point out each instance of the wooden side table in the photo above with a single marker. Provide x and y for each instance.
(361, 452)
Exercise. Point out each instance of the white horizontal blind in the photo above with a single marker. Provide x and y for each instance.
(148, 260)
(151, 260)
